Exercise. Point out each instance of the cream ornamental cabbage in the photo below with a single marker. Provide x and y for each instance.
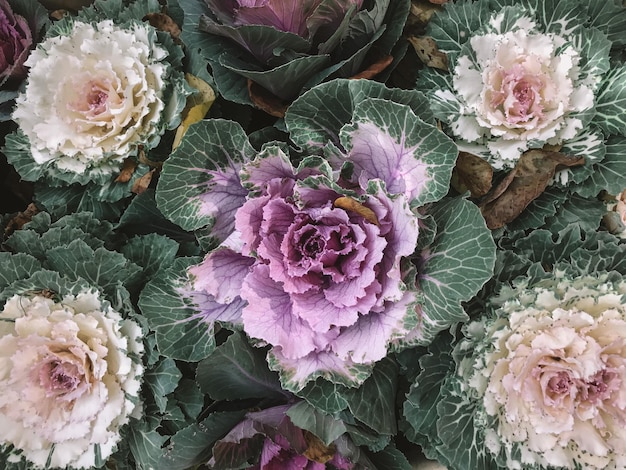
(520, 80)
(519, 90)
(69, 379)
(93, 96)
(551, 370)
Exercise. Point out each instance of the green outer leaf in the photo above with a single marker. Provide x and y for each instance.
(324, 426)
(390, 458)
(162, 380)
(101, 267)
(152, 252)
(14, 267)
(235, 370)
(455, 266)
(317, 116)
(46, 280)
(60, 201)
(374, 402)
(611, 102)
(17, 150)
(456, 24)
(610, 173)
(430, 149)
(325, 396)
(420, 407)
(192, 445)
(284, 81)
(145, 445)
(213, 144)
(462, 443)
(179, 335)
(585, 212)
(609, 17)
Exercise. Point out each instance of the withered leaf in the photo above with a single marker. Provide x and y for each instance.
(421, 12)
(163, 22)
(126, 173)
(523, 184)
(316, 450)
(142, 183)
(472, 174)
(428, 52)
(22, 218)
(374, 69)
(266, 101)
(349, 204)
(196, 108)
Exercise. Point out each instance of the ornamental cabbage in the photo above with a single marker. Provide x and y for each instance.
(271, 440)
(318, 270)
(95, 96)
(16, 39)
(523, 81)
(70, 378)
(288, 46)
(548, 370)
(332, 259)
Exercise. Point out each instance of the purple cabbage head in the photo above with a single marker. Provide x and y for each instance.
(16, 39)
(301, 17)
(318, 271)
(289, 46)
(270, 440)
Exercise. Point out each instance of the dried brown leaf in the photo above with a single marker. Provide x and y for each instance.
(163, 22)
(22, 218)
(142, 183)
(428, 52)
(316, 450)
(266, 101)
(472, 174)
(128, 169)
(523, 184)
(349, 204)
(421, 12)
(374, 69)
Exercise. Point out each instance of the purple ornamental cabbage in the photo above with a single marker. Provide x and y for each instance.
(318, 271)
(275, 443)
(287, 46)
(16, 40)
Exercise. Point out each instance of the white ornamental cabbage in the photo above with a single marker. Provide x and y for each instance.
(550, 371)
(93, 96)
(520, 81)
(69, 379)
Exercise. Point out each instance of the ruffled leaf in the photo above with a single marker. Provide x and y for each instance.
(152, 252)
(388, 141)
(315, 119)
(611, 101)
(180, 332)
(451, 270)
(609, 174)
(199, 185)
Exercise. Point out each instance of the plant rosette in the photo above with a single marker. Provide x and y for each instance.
(270, 439)
(21, 23)
(334, 262)
(288, 46)
(78, 382)
(102, 87)
(533, 75)
(537, 378)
